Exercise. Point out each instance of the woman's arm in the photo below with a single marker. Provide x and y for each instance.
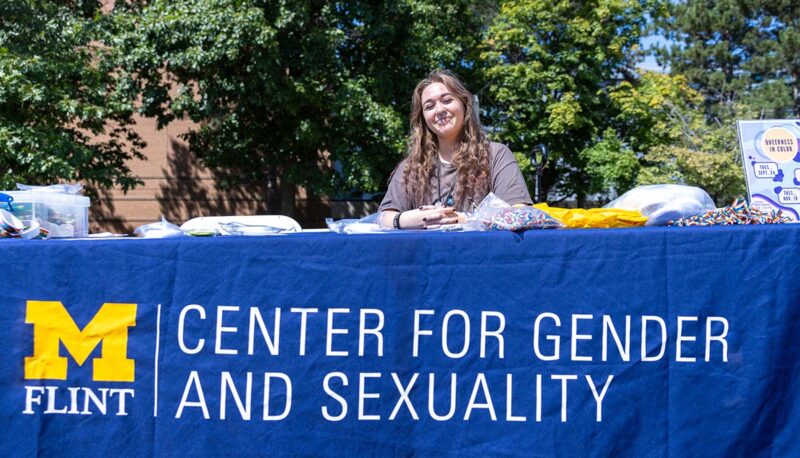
(429, 217)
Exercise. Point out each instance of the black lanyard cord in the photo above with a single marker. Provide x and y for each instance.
(449, 201)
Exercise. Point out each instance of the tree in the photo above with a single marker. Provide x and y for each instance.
(548, 66)
(61, 114)
(312, 91)
(611, 163)
(662, 119)
(710, 42)
(785, 53)
(743, 57)
(737, 52)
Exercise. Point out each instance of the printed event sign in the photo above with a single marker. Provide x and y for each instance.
(772, 164)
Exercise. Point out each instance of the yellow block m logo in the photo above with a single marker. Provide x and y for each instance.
(52, 323)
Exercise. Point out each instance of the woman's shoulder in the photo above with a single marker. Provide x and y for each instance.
(401, 165)
(498, 148)
(498, 152)
(397, 173)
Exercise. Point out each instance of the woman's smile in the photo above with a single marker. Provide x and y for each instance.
(443, 119)
(443, 112)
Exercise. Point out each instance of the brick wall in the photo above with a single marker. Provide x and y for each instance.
(178, 187)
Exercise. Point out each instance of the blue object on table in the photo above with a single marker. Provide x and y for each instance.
(5, 198)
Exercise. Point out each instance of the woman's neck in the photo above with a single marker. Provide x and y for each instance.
(447, 148)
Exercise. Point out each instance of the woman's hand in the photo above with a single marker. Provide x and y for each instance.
(428, 217)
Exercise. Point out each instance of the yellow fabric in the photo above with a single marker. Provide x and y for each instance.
(594, 217)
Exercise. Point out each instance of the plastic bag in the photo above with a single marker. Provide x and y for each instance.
(494, 214)
(369, 224)
(594, 217)
(72, 189)
(234, 228)
(489, 206)
(161, 230)
(662, 203)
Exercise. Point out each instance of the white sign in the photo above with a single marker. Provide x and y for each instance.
(771, 160)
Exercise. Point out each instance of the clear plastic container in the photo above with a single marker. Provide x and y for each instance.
(23, 205)
(63, 215)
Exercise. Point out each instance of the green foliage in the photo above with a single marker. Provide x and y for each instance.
(314, 91)
(656, 109)
(547, 66)
(737, 51)
(318, 92)
(662, 118)
(61, 116)
(743, 57)
(612, 164)
(707, 157)
(715, 171)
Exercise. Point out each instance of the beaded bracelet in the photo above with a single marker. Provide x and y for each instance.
(396, 220)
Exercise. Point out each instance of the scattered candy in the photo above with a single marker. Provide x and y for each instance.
(520, 219)
(737, 213)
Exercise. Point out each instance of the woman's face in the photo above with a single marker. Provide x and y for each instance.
(443, 112)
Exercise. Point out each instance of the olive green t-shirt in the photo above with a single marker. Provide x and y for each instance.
(506, 182)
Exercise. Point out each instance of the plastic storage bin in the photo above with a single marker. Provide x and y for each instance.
(23, 204)
(63, 215)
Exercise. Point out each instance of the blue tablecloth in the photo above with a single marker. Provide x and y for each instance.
(625, 342)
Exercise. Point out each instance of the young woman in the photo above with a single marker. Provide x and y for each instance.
(450, 166)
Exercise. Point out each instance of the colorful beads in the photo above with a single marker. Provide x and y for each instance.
(519, 219)
(737, 213)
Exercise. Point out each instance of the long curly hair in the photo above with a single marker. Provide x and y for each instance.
(471, 158)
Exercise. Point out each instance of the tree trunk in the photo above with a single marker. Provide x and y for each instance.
(580, 200)
(287, 191)
(272, 198)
